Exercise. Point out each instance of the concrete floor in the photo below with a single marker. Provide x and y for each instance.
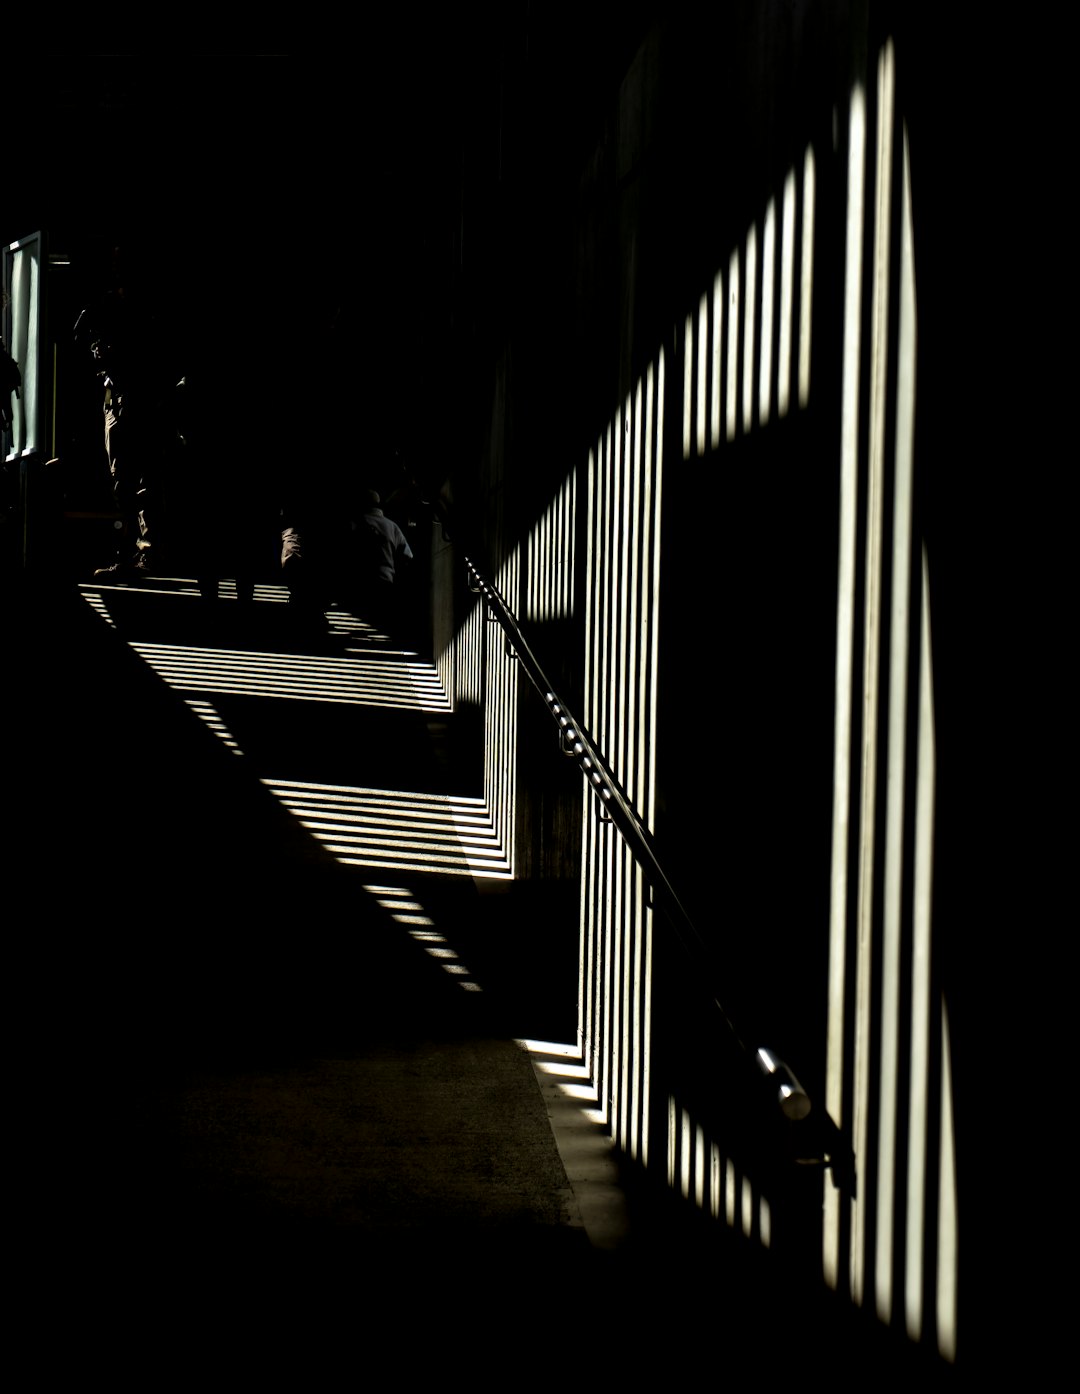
(257, 1071)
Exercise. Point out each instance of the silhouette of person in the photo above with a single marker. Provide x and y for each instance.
(127, 346)
(353, 556)
(382, 553)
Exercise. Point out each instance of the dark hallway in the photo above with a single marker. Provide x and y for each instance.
(584, 931)
(268, 1086)
(259, 1065)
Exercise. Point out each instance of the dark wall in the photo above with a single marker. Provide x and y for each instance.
(608, 193)
(621, 176)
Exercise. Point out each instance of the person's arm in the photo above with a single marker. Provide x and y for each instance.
(404, 550)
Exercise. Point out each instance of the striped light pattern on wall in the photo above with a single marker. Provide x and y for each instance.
(746, 351)
(888, 1068)
(501, 714)
(704, 1175)
(621, 648)
(460, 664)
(549, 590)
(477, 669)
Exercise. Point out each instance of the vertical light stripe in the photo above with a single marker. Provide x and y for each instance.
(558, 552)
(588, 954)
(717, 342)
(554, 554)
(634, 697)
(591, 891)
(590, 592)
(513, 674)
(628, 990)
(747, 1206)
(879, 364)
(702, 362)
(547, 563)
(604, 587)
(543, 548)
(947, 1234)
(607, 1006)
(845, 605)
(897, 759)
(806, 288)
(671, 1141)
(732, 344)
(568, 542)
(596, 947)
(787, 296)
(688, 386)
(654, 609)
(729, 1192)
(562, 532)
(768, 274)
(627, 994)
(477, 642)
(699, 1167)
(644, 620)
(551, 559)
(611, 619)
(618, 989)
(585, 931)
(920, 980)
(558, 545)
(654, 473)
(765, 1222)
(453, 669)
(624, 563)
(547, 574)
(749, 317)
(638, 980)
(625, 581)
(558, 542)
(646, 1041)
(715, 1181)
(570, 527)
(571, 576)
(532, 573)
(500, 717)
(617, 584)
(684, 1156)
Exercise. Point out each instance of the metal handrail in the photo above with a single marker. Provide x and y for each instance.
(790, 1096)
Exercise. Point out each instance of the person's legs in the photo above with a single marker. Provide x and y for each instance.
(125, 450)
(305, 582)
